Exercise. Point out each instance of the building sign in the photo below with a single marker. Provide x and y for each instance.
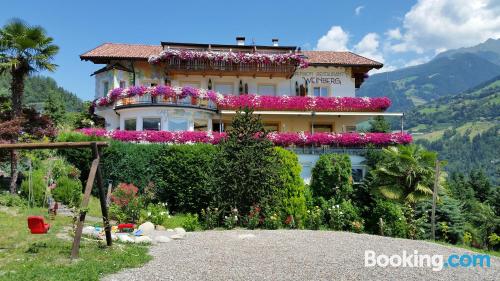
(323, 77)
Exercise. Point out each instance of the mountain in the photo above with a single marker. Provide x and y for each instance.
(479, 104)
(37, 89)
(464, 129)
(489, 50)
(448, 74)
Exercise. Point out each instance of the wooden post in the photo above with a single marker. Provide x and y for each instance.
(102, 196)
(108, 195)
(86, 197)
(434, 197)
(381, 225)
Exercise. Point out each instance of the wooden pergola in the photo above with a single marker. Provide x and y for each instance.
(94, 175)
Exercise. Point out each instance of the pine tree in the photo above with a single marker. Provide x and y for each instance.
(379, 125)
(54, 108)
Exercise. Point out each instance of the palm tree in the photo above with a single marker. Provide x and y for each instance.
(406, 174)
(24, 49)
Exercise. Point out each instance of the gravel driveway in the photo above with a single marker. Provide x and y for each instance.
(292, 255)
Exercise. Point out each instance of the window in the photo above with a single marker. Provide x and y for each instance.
(266, 90)
(349, 128)
(224, 88)
(105, 88)
(273, 127)
(177, 124)
(323, 128)
(320, 91)
(123, 84)
(358, 174)
(201, 125)
(151, 124)
(130, 124)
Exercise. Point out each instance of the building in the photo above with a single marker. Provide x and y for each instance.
(198, 87)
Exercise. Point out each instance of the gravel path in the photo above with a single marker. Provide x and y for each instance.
(292, 255)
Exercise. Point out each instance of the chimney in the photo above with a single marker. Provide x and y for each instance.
(240, 41)
(275, 42)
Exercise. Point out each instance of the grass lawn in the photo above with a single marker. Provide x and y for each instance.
(472, 249)
(24, 256)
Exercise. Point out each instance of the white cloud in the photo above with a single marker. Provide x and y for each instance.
(358, 9)
(335, 40)
(434, 25)
(394, 33)
(369, 47)
(417, 61)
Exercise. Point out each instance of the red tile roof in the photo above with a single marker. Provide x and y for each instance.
(339, 58)
(109, 51)
(121, 51)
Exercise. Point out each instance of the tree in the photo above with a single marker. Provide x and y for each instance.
(480, 183)
(406, 174)
(54, 108)
(247, 173)
(379, 125)
(24, 49)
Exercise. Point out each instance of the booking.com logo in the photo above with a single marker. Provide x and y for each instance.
(436, 262)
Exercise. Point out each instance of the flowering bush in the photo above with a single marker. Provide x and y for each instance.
(231, 221)
(344, 216)
(230, 102)
(155, 213)
(253, 218)
(314, 218)
(230, 57)
(209, 218)
(272, 221)
(126, 203)
(278, 138)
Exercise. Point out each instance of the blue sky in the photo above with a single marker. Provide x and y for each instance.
(398, 33)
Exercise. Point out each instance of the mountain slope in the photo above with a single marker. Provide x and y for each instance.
(38, 89)
(446, 75)
(489, 50)
(479, 104)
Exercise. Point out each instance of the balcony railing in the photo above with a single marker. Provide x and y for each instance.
(175, 65)
(148, 100)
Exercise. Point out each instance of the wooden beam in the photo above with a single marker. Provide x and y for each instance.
(52, 145)
(102, 196)
(83, 212)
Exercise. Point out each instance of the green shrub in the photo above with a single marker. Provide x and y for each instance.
(344, 216)
(332, 177)
(39, 187)
(68, 191)
(246, 170)
(11, 200)
(185, 176)
(210, 218)
(132, 163)
(191, 222)
(81, 158)
(155, 213)
(127, 205)
(290, 189)
(272, 221)
(231, 220)
(314, 218)
(253, 218)
(394, 222)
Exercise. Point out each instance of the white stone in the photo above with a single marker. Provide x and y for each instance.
(246, 236)
(162, 239)
(125, 238)
(170, 230)
(147, 228)
(180, 230)
(177, 236)
(160, 227)
(143, 240)
(88, 230)
(114, 237)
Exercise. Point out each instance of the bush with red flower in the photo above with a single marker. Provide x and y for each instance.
(126, 203)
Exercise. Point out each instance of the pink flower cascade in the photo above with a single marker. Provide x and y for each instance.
(256, 102)
(278, 138)
(230, 57)
(343, 104)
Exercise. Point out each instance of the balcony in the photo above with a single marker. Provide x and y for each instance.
(205, 67)
(148, 100)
